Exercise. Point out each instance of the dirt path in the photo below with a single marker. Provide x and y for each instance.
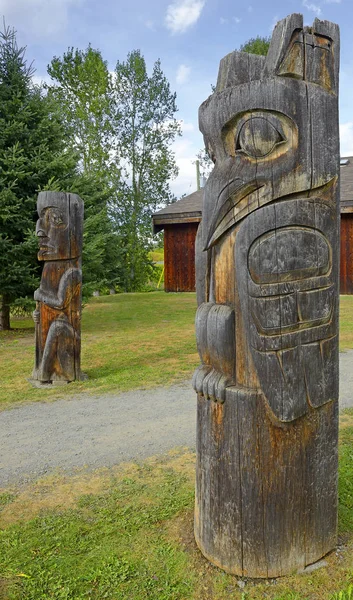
(102, 431)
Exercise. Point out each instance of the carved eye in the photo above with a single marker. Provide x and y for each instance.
(55, 217)
(258, 137)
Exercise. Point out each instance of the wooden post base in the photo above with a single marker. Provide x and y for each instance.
(266, 491)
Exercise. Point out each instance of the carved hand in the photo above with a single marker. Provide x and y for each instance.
(68, 286)
(39, 295)
(215, 334)
(36, 316)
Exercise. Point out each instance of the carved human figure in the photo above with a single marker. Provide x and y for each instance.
(58, 311)
(267, 322)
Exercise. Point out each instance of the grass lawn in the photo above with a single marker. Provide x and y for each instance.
(157, 255)
(346, 323)
(128, 341)
(127, 534)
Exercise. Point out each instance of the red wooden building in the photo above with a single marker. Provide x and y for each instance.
(346, 266)
(181, 219)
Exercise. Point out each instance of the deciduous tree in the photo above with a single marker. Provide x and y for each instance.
(82, 87)
(257, 45)
(122, 125)
(144, 117)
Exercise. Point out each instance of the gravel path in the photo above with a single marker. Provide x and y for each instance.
(94, 431)
(100, 431)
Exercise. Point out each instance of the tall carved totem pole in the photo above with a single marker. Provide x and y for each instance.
(58, 312)
(267, 321)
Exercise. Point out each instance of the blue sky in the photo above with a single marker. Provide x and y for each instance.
(189, 36)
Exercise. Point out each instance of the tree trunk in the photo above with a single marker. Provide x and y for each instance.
(5, 313)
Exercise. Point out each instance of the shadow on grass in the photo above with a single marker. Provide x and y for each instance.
(17, 332)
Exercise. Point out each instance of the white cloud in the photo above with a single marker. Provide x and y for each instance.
(150, 25)
(225, 21)
(43, 18)
(346, 138)
(183, 74)
(250, 8)
(185, 149)
(182, 14)
(186, 127)
(313, 7)
(316, 6)
(185, 155)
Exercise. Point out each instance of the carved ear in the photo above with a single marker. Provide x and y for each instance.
(322, 55)
(293, 63)
(237, 68)
(310, 53)
(286, 35)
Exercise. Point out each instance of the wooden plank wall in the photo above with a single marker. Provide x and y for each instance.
(179, 257)
(346, 267)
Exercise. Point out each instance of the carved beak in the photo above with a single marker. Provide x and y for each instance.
(229, 208)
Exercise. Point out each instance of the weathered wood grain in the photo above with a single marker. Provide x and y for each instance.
(267, 323)
(58, 313)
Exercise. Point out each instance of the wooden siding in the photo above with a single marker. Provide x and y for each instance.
(346, 268)
(179, 257)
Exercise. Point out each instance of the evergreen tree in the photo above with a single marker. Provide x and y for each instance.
(32, 156)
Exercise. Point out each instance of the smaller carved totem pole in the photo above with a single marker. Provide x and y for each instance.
(267, 323)
(58, 313)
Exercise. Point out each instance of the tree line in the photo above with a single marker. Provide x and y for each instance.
(104, 135)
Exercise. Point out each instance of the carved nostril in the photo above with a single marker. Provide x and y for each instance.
(40, 230)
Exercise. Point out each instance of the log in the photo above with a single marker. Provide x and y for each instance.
(267, 323)
(58, 311)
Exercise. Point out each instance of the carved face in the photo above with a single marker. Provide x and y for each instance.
(271, 128)
(52, 232)
(255, 127)
(59, 227)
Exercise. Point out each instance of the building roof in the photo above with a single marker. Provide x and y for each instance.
(347, 185)
(185, 210)
(189, 208)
